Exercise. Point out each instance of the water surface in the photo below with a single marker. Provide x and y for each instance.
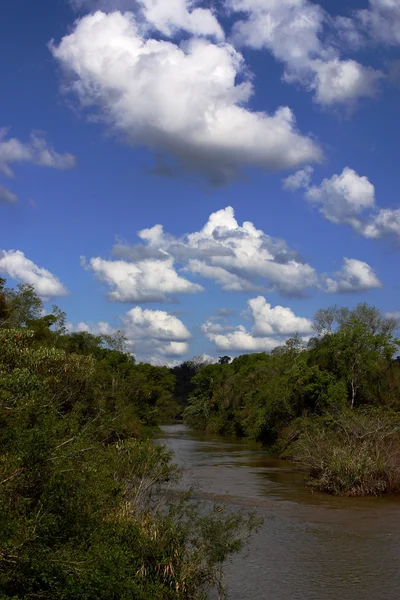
(311, 546)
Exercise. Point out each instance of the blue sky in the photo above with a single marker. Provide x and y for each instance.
(261, 135)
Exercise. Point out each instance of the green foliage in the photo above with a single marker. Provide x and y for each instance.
(87, 507)
(23, 305)
(270, 397)
(361, 345)
(184, 375)
(349, 363)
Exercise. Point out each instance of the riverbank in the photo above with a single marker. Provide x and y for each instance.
(312, 545)
(355, 453)
(331, 403)
(348, 453)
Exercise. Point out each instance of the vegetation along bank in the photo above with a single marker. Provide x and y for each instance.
(331, 403)
(85, 510)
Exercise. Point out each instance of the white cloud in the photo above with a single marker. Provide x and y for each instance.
(293, 30)
(385, 223)
(206, 359)
(36, 151)
(180, 99)
(100, 328)
(393, 315)
(151, 335)
(381, 21)
(349, 33)
(210, 326)
(143, 281)
(343, 197)
(299, 180)
(355, 276)
(104, 5)
(14, 264)
(168, 17)
(155, 333)
(174, 349)
(7, 197)
(349, 199)
(237, 257)
(79, 327)
(156, 324)
(241, 340)
(228, 281)
(271, 327)
(343, 81)
(254, 256)
(278, 320)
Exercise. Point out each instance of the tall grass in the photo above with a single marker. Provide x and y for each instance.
(355, 454)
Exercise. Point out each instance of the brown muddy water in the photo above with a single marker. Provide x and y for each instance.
(312, 546)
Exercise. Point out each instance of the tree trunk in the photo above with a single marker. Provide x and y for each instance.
(353, 394)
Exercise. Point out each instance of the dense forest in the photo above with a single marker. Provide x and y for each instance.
(331, 403)
(88, 503)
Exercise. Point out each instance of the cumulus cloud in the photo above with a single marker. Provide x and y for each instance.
(381, 21)
(348, 198)
(254, 256)
(299, 180)
(271, 327)
(343, 197)
(344, 81)
(100, 328)
(293, 31)
(16, 265)
(278, 320)
(237, 257)
(212, 326)
(36, 151)
(227, 280)
(166, 17)
(155, 333)
(385, 223)
(174, 15)
(183, 100)
(7, 197)
(143, 281)
(241, 340)
(156, 324)
(152, 336)
(355, 276)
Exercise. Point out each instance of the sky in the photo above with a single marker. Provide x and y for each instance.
(201, 175)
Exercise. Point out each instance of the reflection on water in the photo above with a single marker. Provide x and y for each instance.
(312, 546)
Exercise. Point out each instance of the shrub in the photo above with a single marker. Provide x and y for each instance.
(356, 453)
(85, 510)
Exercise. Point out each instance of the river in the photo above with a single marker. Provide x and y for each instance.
(312, 546)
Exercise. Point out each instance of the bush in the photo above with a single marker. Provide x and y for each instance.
(85, 510)
(354, 454)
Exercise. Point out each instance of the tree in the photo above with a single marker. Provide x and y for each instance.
(224, 360)
(82, 342)
(83, 507)
(23, 305)
(354, 344)
(4, 305)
